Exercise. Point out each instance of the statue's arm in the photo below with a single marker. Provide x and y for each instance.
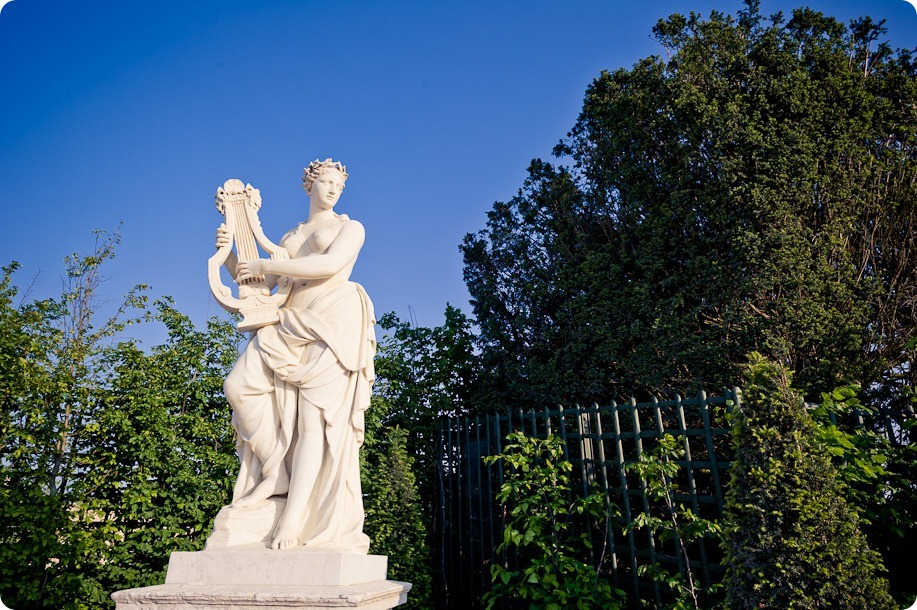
(232, 261)
(271, 279)
(341, 253)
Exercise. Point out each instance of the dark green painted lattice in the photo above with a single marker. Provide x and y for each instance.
(602, 443)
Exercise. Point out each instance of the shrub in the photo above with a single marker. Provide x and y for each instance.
(545, 533)
(793, 542)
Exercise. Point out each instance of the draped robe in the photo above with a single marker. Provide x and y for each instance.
(318, 355)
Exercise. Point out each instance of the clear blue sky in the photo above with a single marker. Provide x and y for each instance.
(135, 112)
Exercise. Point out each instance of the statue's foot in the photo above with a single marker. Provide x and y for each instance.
(275, 485)
(286, 538)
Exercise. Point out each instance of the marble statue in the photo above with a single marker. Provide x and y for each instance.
(298, 394)
(300, 388)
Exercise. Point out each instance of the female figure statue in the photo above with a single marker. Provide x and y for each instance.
(300, 387)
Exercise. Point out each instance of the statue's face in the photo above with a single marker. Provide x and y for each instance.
(326, 190)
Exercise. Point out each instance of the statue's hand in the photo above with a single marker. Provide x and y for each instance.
(222, 236)
(250, 269)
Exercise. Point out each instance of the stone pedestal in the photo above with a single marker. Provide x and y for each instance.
(249, 578)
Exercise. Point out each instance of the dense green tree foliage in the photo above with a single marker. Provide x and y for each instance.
(394, 521)
(879, 473)
(113, 456)
(163, 454)
(793, 542)
(754, 189)
(110, 457)
(424, 374)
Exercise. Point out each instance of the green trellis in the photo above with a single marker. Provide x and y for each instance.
(602, 443)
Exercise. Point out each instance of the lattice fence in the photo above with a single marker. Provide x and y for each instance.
(603, 443)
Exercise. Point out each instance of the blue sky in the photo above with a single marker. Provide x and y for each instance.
(134, 112)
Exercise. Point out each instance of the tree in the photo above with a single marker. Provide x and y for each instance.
(163, 459)
(879, 473)
(523, 273)
(52, 374)
(424, 374)
(753, 190)
(110, 457)
(394, 521)
(793, 542)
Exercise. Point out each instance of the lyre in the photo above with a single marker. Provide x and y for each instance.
(258, 306)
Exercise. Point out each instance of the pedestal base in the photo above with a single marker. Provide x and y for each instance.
(260, 566)
(259, 578)
(379, 595)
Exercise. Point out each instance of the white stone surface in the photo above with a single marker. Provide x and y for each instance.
(379, 595)
(301, 386)
(239, 205)
(261, 566)
(245, 526)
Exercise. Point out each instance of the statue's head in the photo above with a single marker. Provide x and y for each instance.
(317, 167)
